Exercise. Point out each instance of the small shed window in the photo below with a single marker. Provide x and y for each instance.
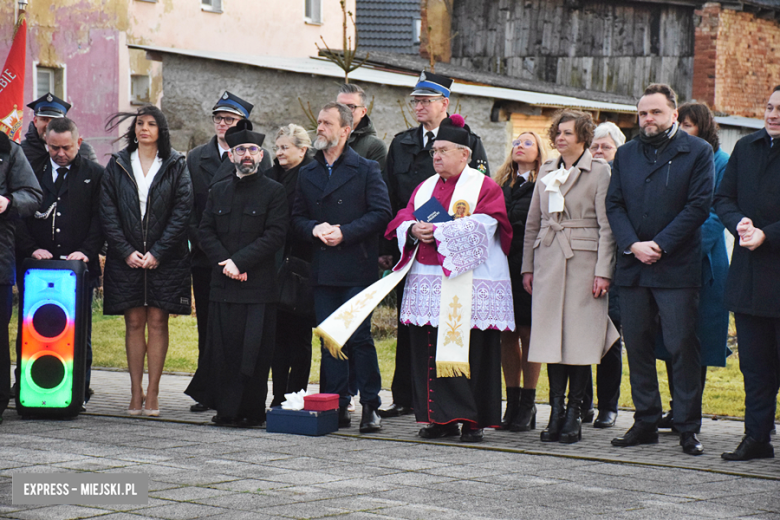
(214, 6)
(313, 11)
(140, 89)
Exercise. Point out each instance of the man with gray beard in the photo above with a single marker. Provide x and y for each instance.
(341, 205)
(244, 225)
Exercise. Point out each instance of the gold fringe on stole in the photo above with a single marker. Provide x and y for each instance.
(331, 344)
(453, 369)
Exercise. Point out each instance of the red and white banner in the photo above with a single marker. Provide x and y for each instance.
(12, 85)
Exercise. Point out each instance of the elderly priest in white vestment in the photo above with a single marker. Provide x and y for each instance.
(458, 295)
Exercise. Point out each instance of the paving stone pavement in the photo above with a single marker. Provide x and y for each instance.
(199, 471)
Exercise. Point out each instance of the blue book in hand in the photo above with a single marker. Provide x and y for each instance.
(432, 212)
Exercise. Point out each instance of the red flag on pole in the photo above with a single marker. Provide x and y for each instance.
(12, 85)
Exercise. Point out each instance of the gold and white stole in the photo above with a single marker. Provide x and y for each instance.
(452, 343)
(452, 352)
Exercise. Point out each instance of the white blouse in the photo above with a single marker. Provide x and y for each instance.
(144, 182)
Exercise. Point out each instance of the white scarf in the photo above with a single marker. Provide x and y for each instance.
(553, 182)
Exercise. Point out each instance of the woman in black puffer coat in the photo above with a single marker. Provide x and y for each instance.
(145, 208)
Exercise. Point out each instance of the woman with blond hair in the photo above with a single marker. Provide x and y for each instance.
(517, 177)
(292, 355)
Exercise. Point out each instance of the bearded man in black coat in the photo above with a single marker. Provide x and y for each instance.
(243, 227)
(207, 164)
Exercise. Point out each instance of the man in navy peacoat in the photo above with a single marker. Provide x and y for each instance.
(747, 203)
(342, 205)
(659, 196)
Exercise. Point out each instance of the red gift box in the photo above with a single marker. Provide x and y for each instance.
(321, 402)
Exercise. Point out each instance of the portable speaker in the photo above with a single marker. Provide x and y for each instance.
(52, 321)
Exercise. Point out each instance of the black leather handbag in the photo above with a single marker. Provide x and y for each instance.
(295, 294)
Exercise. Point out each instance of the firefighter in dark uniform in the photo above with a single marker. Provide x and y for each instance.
(66, 225)
(208, 163)
(408, 164)
(46, 108)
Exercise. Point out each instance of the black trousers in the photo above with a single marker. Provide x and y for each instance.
(610, 371)
(759, 362)
(6, 308)
(292, 355)
(677, 310)
(201, 283)
(402, 375)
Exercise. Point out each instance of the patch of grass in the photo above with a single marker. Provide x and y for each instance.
(723, 394)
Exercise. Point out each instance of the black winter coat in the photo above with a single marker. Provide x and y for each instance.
(751, 188)
(35, 149)
(364, 141)
(204, 162)
(408, 164)
(19, 185)
(665, 200)
(354, 197)
(518, 201)
(245, 220)
(163, 232)
(74, 225)
(294, 245)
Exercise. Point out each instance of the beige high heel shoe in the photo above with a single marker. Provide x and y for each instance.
(137, 411)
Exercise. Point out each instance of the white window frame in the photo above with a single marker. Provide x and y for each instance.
(61, 90)
(416, 31)
(312, 12)
(133, 99)
(211, 6)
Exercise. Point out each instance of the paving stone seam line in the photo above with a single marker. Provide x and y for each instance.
(560, 455)
(488, 448)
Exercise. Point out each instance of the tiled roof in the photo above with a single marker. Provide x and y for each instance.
(387, 25)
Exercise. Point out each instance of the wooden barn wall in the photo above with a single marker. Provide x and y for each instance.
(609, 46)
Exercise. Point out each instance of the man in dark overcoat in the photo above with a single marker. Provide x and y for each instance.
(67, 223)
(207, 164)
(659, 196)
(408, 164)
(341, 205)
(45, 109)
(20, 196)
(747, 204)
(244, 225)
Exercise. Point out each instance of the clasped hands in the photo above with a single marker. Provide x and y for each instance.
(423, 231)
(45, 254)
(750, 236)
(136, 260)
(647, 252)
(231, 270)
(329, 234)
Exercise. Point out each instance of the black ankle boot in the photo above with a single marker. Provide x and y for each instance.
(572, 426)
(512, 403)
(556, 373)
(525, 420)
(579, 378)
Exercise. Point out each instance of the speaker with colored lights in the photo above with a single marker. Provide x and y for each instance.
(53, 318)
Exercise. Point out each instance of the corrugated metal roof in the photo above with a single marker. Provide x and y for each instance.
(744, 122)
(321, 67)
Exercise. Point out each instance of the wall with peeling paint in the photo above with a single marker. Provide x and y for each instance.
(89, 39)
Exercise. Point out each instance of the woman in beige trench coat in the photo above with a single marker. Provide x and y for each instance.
(568, 258)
